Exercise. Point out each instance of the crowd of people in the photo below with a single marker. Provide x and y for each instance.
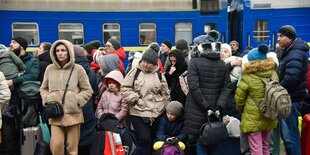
(147, 95)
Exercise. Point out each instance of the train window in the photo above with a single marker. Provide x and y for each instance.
(72, 32)
(209, 6)
(111, 30)
(184, 31)
(147, 33)
(29, 31)
(208, 27)
(261, 31)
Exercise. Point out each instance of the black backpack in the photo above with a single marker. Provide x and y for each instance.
(130, 142)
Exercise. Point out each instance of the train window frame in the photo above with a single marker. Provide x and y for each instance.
(31, 40)
(208, 27)
(148, 30)
(177, 30)
(72, 30)
(111, 30)
(261, 32)
(210, 6)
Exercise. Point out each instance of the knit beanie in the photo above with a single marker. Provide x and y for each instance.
(259, 53)
(167, 43)
(21, 41)
(150, 55)
(78, 51)
(175, 107)
(228, 48)
(89, 47)
(289, 31)
(201, 39)
(235, 42)
(115, 43)
(181, 44)
(154, 46)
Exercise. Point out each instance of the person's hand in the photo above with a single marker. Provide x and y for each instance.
(172, 69)
(236, 62)
(9, 82)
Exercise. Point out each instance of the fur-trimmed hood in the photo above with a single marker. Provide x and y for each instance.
(206, 49)
(262, 67)
(69, 47)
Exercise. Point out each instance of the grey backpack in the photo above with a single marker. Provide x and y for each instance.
(277, 102)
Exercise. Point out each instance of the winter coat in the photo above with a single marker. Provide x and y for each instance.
(32, 70)
(147, 96)
(208, 79)
(78, 93)
(10, 65)
(252, 120)
(308, 79)
(5, 95)
(44, 61)
(168, 129)
(293, 69)
(88, 128)
(111, 102)
(173, 80)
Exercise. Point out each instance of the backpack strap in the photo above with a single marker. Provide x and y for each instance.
(137, 74)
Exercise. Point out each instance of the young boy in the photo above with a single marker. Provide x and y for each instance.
(11, 65)
(171, 126)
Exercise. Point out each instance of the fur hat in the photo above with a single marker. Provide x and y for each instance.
(167, 43)
(91, 46)
(115, 43)
(289, 31)
(78, 51)
(209, 47)
(259, 53)
(175, 107)
(235, 42)
(181, 44)
(228, 48)
(213, 36)
(150, 55)
(21, 41)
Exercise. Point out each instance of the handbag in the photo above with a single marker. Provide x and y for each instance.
(54, 109)
(212, 133)
(44, 130)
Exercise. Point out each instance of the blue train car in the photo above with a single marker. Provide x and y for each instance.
(254, 22)
(135, 23)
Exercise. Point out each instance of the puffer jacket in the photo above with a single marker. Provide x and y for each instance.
(293, 69)
(252, 120)
(149, 96)
(208, 81)
(5, 95)
(79, 90)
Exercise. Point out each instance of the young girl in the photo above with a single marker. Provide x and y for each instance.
(111, 100)
(251, 87)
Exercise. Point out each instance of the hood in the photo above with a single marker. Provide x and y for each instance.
(115, 75)
(69, 47)
(83, 61)
(272, 55)
(300, 45)
(262, 68)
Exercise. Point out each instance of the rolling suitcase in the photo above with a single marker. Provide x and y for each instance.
(305, 135)
(29, 140)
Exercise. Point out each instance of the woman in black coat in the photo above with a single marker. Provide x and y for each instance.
(178, 67)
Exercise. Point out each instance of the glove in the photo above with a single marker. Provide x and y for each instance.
(7, 112)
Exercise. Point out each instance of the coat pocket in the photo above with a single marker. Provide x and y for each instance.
(71, 103)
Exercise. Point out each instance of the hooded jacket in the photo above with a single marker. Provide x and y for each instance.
(44, 61)
(252, 120)
(149, 96)
(79, 90)
(5, 95)
(293, 69)
(208, 79)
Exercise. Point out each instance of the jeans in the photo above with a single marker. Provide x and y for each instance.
(205, 150)
(289, 131)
